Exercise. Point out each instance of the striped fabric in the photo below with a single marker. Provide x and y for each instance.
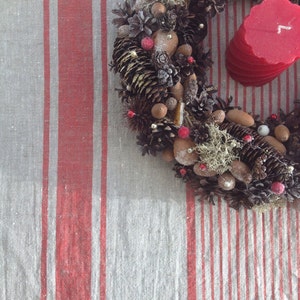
(82, 214)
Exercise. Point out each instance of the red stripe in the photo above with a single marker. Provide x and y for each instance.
(203, 247)
(75, 150)
(191, 243)
(45, 151)
(104, 60)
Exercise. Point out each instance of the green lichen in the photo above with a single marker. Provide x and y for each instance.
(219, 151)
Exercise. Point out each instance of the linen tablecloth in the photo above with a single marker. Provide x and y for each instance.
(82, 214)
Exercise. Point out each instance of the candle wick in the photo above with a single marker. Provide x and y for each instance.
(280, 27)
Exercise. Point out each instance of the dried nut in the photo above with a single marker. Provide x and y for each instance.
(185, 49)
(282, 133)
(159, 111)
(199, 170)
(168, 155)
(240, 117)
(165, 41)
(177, 91)
(182, 152)
(123, 31)
(226, 181)
(275, 144)
(218, 116)
(158, 9)
(171, 103)
(241, 171)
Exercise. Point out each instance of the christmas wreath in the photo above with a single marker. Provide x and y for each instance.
(219, 149)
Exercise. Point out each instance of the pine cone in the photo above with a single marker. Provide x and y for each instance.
(137, 71)
(141, 22)
(167, 21)
(158, 137)
(123, 12)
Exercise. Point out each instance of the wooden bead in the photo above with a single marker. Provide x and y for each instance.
(240, 117)
(185, 50)
(282, 133)
(158, 9)
(159, 111)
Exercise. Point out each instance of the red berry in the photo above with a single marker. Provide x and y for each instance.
(247, 138)
(182, 172)
(277, 187)
(147, 43)
(130, 114)
(190, 60)
(273, 117)
(183, 132)
(202, 167)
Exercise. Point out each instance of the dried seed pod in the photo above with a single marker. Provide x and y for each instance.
(275, 144)
(226, 181)
(201, 170)
(159, 110)
(282, 133)
(241, 171)
(218, 116)
(185, 49)
(240, 117)
(183, 151)
(165, 41)
(123, 31)
(178, 116)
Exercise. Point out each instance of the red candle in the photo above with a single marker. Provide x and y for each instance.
(266, 44)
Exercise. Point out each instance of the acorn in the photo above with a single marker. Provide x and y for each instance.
(159, 111)
(275, 144)
(183, 151)
(168, 155)
(185, 49)
(158, 9)
(201, 170)
(240, 117)
(171, 103)
(241, 171)
(226, 181)
(218, 116)
(177, 91)
(282, 133)
(165, 41)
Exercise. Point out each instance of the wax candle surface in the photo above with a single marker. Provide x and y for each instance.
(266, 44)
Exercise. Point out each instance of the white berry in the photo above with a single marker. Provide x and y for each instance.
(263, 130)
